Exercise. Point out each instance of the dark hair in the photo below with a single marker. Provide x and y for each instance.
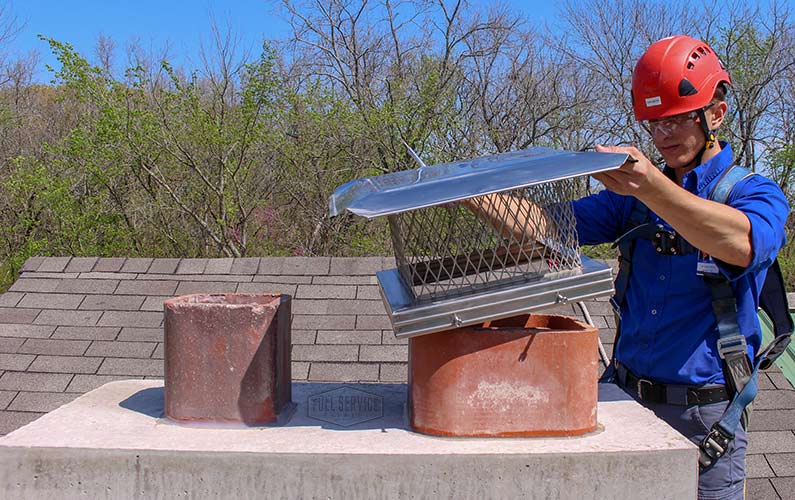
(720, 92)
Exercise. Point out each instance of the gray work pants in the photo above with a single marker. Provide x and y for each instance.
(725, 479)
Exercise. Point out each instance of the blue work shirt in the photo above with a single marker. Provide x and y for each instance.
(668, 330)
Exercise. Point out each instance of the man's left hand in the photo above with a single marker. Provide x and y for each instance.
(636, 177)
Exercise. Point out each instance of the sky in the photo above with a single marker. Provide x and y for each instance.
(180, 25)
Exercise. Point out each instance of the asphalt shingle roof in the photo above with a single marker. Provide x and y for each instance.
(69, 325)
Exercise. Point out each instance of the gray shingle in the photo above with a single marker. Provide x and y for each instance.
(82, 285)
(387, 353)
(141, 334)
(344, 280)
(325, 352)
(783, 464)
(780, 381)
(34, 285)
(95, 275)
(597, 308)
(112, 302)
(65, 364)
(51, 300)
(163, 266)
(81, 264)
(192, 266)
(760, 489)
(302, 266)
(6, 397)
(10, 299)
(154, 303)
(15, 362)
(304, 337)
(219, 266)
(282, 278)
(53, 265)
(34, 331)
(376, 322)
(136, 265)
(13, 420)
(298, 266)
(326, 292)
(119, 349)
(245, 265)
(393, 372)
(137, 319)
(147, 287)
(86, 332)
(757, 466)
(17, 315)
(349, 337)
(55, 347)
(190, 287)
(269, 288)
(771, 441)
(313, 322)
(775, 400)
(40, 401)
(300, 370)
(349, 266)
(10, 344)
(84, 383)
(772, 420)
(232, 278)
(341, 307)
(68, 318)
(343, 372)
(52, 276)
(159, 352)
(32, 263)
(368, 292)
(784, 487)
(388, 338)
(109, 264)
(134, 367)
(36, 382)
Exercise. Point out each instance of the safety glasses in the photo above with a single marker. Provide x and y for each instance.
(669, 125)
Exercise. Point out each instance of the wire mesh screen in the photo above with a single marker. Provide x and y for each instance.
(487, 241)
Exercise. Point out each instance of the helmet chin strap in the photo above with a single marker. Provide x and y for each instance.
(709, 135)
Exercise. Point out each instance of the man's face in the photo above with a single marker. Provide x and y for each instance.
(678, 138)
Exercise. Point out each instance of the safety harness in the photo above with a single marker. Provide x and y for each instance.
(740, 374)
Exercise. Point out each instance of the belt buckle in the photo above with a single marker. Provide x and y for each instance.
(639, 386)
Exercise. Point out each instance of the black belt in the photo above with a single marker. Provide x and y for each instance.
(680, 395)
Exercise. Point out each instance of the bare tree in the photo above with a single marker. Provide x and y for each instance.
(758, 49)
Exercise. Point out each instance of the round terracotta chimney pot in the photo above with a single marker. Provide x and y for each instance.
(530, 375)
(227, 357)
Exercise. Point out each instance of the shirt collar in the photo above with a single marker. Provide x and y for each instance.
(704, 174)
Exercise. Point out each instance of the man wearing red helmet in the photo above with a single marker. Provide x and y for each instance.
(673, 322)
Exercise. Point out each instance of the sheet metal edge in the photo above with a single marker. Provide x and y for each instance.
(335, 208)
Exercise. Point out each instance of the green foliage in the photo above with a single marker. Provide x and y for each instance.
(604, 251)
(49, 215)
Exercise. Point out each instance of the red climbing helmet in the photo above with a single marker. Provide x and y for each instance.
(676, 75)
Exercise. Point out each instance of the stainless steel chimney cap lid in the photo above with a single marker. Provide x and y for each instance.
(448, 182)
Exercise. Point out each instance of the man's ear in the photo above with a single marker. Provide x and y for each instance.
(716, 114)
